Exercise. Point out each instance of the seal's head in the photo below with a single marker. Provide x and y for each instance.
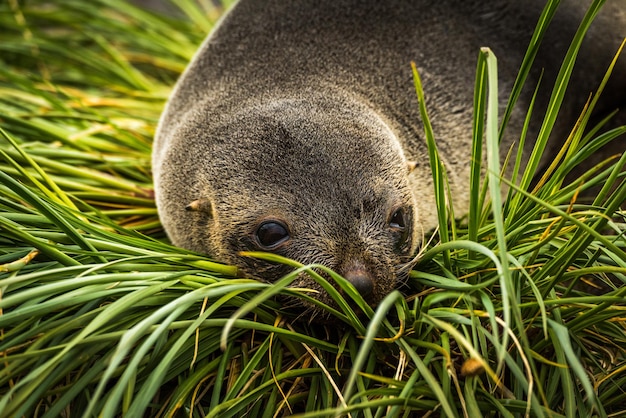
(298, 178)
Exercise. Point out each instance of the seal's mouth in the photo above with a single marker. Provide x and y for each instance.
(354, 287)
(357, 287)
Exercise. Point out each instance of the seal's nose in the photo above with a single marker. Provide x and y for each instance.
(362, 280)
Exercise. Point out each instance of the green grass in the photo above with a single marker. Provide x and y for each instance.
(99, 316)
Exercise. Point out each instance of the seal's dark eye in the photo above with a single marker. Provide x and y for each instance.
(400, 223)
(398, 219)
(270, 234)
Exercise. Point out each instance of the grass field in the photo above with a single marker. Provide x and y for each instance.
(518, 310)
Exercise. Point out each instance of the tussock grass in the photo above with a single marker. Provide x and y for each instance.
(520, 311)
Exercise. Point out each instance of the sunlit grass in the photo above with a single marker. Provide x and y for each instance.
(520, 310)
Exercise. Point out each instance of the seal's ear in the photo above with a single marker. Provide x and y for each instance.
(200, 205)
(410, 165)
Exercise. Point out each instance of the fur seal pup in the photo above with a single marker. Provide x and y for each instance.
(296, 129)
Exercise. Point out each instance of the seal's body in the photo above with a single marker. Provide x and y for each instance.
(296, 127)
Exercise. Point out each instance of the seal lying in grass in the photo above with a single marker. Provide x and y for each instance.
(296, 128)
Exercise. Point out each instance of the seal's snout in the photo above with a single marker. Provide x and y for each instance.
(361, 279)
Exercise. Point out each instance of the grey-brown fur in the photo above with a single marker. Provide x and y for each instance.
(305, 111)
